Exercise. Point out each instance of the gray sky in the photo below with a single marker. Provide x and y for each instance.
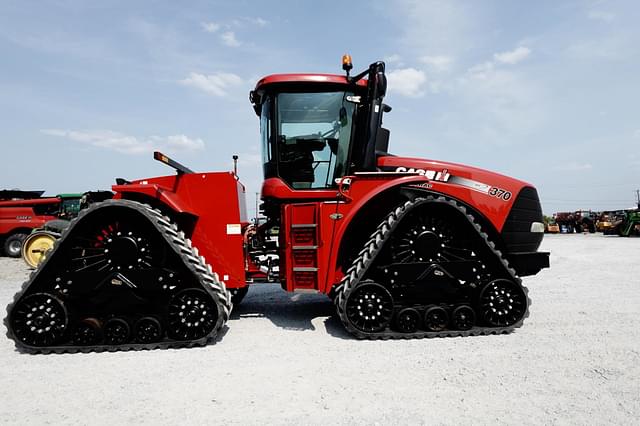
(543, 91)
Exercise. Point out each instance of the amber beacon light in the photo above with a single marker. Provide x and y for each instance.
(346, 63)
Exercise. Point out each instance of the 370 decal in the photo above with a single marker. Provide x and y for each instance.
(503, 194)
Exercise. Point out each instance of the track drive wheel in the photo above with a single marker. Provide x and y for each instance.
(370, 307)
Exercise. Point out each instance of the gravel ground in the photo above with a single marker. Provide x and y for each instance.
(285, 359)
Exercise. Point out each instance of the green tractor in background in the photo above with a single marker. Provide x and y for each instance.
(630, 225)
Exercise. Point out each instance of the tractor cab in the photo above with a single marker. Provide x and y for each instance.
(317, 128)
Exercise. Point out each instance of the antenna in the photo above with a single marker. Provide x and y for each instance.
(257, 207)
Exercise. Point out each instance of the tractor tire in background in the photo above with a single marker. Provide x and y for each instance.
(56, 225)
(13, 245)
(36, 247)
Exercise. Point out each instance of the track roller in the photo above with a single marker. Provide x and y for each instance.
(407, 320)
(87, 332)
(463, 318)
(436, 318)
(116, 331)
(147, 330)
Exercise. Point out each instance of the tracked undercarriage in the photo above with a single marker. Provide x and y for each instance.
(429, 271)
(121, 277)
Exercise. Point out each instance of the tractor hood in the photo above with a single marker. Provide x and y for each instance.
(495, 192)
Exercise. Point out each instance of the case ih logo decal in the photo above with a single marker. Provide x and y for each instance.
(23, 217)
(442, 176)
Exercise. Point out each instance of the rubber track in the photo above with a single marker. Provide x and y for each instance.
(372, 248)
(180, 244)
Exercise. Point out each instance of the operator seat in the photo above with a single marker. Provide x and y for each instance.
(296, 161)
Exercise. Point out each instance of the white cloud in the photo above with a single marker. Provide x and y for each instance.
(437, 63)
(251, 160)
(482, 70)
(127, 144)
(210, 27)
(618, 45)
(257, 21)
(428, 26)
(407, 82)
(514, 56)
(574, 166)
(599, 15)
(502, 106)
(216, 84)
(392, 58)
(229, 39)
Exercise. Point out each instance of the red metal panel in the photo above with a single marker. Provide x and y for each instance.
(216, 200)
(361, 191)
(27, 203)
(278, 189)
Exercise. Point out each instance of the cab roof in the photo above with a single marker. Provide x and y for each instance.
(306, 79)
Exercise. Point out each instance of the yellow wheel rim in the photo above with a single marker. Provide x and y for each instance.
(36, 247)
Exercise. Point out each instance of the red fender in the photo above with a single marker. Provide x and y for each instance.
(370, 190)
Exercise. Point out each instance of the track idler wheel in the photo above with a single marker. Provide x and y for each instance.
(192, 315)
(87, 332)
(116, 331)
(407, 320)
(502, 303)
(463, 318)
(370, 307)
(147, 330)
(436, 318)
(39, 320)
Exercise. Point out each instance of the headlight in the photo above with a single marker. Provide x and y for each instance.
(537, 227)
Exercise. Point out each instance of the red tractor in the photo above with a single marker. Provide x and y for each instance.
(20, 213)
(405, 247)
